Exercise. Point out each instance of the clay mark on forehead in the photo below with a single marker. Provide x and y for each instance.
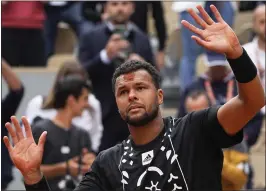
(129, 76)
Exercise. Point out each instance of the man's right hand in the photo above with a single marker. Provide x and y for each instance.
(115, 44)
(25, 154)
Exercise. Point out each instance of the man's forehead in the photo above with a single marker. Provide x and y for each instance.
(139, 74)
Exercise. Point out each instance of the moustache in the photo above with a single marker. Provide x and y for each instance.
(134, 105)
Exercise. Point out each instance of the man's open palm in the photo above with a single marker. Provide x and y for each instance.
(214, 36)
(25, 154)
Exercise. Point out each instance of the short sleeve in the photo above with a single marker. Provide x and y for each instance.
(213, 130)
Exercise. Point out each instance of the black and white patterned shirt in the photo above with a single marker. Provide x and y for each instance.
(186, 155)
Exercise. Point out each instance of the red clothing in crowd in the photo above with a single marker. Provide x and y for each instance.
(23, 14)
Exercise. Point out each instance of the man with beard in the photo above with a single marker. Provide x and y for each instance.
(101, 51)
(161, 153)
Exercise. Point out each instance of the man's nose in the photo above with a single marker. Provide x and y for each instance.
(132, 95)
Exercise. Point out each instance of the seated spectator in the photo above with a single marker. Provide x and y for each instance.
(101, 51)
(69, 12)
(196, 100)
(191, 50)
(67, 152)
(9, 105)
(41, 106)
(236, 166)
(218, 82)
(22, 33)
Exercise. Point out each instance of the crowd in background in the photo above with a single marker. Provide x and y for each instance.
(80, 109)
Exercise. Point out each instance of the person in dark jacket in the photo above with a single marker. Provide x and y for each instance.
(101, 51)
(10, 105)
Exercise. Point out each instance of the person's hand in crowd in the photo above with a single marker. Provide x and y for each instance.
(115, 44)
(214, 36)
(74, 167)
(87, 157)
(160, 56)
(25, 154)
(135, 56)
(104, 16)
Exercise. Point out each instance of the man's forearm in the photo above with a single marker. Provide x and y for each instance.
(10, 77)
(236, 113)
(51, 171)
(250, 90)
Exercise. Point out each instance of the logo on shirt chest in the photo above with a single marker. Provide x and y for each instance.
(147, 157)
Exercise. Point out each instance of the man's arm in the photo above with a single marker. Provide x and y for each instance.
(54, 170)
(236, 113)
(11, 102)
(219, 37)
(91, 181)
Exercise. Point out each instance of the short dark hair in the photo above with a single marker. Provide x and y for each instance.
(134, 65)
(70, 67)
(69, 85)
(196, 93)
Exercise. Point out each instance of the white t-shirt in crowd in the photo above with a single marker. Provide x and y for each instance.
(258, 57)
(90, 120)
(179, 7)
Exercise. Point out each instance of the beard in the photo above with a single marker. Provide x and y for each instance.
(145, 118)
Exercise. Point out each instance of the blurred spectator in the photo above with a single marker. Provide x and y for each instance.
(256, 48)
(236, 166)
(93, 11)
(249, 5)
(10, 105)
(140, 18)
(41, 106)
(101, 51)
(218, 82)
(69, 12)
(67, 152)
(196, 100)
(191, 49)
(22, 33)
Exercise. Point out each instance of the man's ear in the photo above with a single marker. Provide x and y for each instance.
(160, 96)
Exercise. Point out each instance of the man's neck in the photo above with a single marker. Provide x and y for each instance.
(261, 44)
(145, 134)
(63, 118)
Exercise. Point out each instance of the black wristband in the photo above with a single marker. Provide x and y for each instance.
(243, 68)
(42, 185)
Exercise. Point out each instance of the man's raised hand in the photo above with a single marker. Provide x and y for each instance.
(214, 36)
(25, 154)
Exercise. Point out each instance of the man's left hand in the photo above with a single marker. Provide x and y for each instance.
(214, 36)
